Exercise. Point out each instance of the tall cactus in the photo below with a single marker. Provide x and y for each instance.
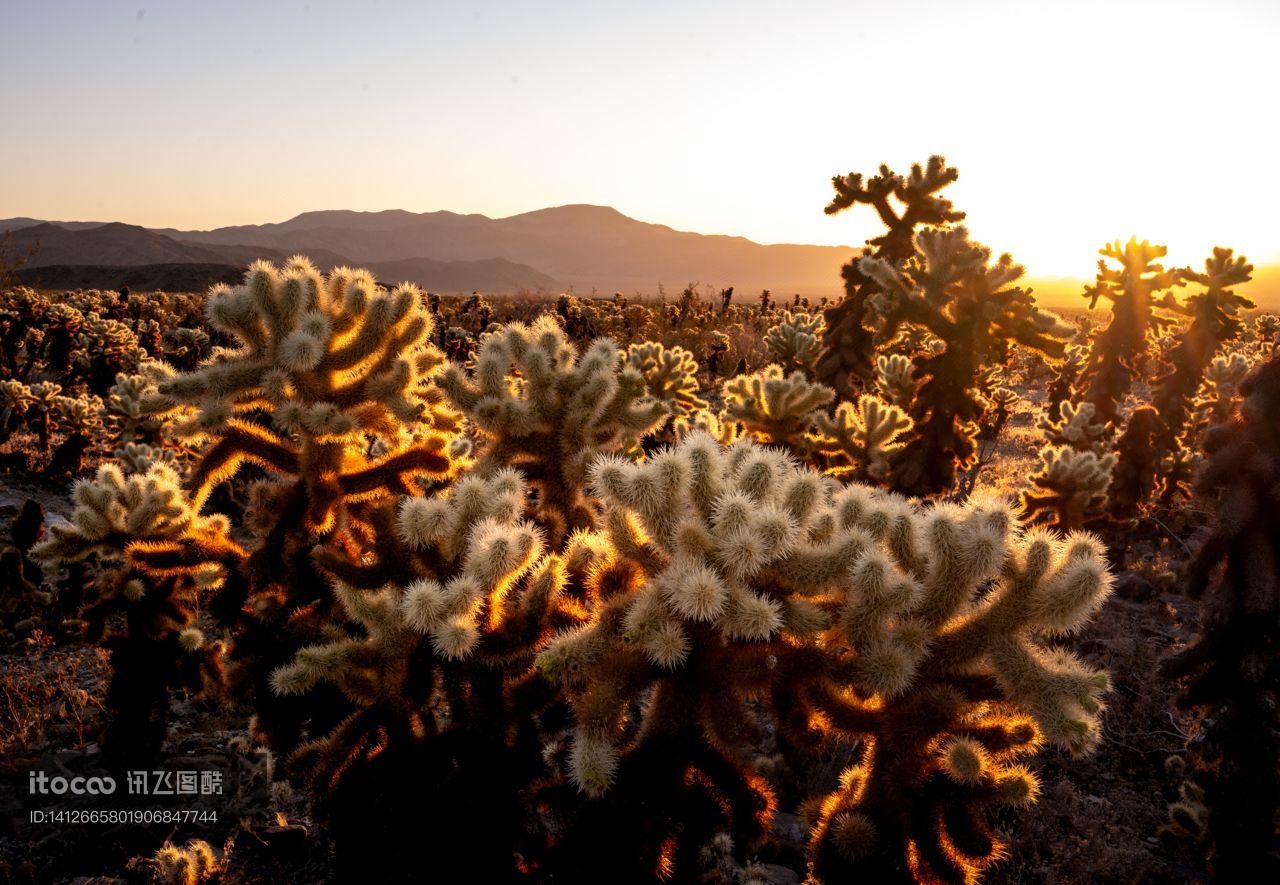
(973, 307)
(848, 344)
(322, 364)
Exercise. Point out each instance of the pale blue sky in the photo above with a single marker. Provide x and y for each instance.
(1071, 124)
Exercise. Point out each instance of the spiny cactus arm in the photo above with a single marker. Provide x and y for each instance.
(895, 379)
(395, 471)
(1215, 321)
(241, 441)
(860, 438)
(1131, 287)
(918, 191)
(794, 341)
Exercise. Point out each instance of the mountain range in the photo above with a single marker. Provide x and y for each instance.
(582, 247)
(579, 247)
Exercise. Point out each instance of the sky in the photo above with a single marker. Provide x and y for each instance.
(1071, 124)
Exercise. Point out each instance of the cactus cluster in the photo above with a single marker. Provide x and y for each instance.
(617, 582)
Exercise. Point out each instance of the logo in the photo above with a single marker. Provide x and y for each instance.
(40, 782)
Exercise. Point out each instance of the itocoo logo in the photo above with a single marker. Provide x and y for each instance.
(76, 786)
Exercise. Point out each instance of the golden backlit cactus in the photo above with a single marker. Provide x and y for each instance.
(448, 611)
(972, 306)
(949, 680)
(795, 342)
(1215, 321)
(773, 407)
(128, 410)
(330, 359)
(1076, 427)
(1132, 287)
(860, 439)
(1155, 453)
(1070, 487)
(895, 379)
(192, 864)
(849, 342)
(154, 559)
(330, 391)
(922, 632)
(670, 376)
(546, 410)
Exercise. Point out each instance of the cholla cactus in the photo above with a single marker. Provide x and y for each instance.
(670, 376)
(949, 693)
(895, 379)
(323, 364)
(860, 439)
(972, 307)
(848, 351)
(1220, 392)
(457, 597)
(43, 406)
(192, 864)
(1074, 483)
(1077, 427)
(15, 399)
(775, 408)
(546, 410)
(1214, 322)
(794, 342)
(1266, 328)
(738, 579)
(1131, 288)
(716, 425)
(79, 420)
(1232, 669)
(104, 349)
(155, 559)
(1150, 451)
(333, 358)
(1064, 381)
(127, 409)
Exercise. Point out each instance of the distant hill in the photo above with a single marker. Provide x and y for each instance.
(122, 245)
(583, 246)
(103, 255)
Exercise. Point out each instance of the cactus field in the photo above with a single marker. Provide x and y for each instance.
(924, 583)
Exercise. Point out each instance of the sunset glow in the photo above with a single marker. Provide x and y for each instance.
(1070, 125)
